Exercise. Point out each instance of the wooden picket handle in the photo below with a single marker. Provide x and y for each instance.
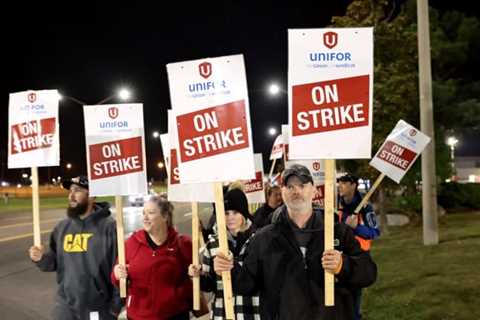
(195, 260)
(223, 244)
(369, 193)
(37, 240)
(120, 242)
(271, 169)
(330, 183)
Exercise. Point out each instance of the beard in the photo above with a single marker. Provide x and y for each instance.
(298, 205)
(78, 210)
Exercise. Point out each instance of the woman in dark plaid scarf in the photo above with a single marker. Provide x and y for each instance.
(240, 230)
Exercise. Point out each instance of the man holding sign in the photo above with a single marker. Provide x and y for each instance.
(286, 260)
(82, 251)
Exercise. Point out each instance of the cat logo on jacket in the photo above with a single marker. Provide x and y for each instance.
(76, 242)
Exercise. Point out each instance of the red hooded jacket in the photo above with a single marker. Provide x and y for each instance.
(158, 283)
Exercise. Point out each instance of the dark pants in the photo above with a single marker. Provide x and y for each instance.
(65, 312)
(357, 301)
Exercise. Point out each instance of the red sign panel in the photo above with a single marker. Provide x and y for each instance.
(212, 131)
(330, 105)
(256, 184)
(174, 177)
(396, 155)
(32, 135)
(116, 158)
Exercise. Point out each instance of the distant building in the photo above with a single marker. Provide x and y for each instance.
(467, 169)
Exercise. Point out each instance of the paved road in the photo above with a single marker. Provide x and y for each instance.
(25, 292)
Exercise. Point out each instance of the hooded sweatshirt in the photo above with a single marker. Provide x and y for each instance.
(83, 252)
(158, 283)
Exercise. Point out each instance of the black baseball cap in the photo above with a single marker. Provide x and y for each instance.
(298, 170)
(348, 177)
(81, 181)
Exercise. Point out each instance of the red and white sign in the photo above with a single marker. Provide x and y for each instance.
(177, 190)
(115, 149)
(165, 141)
(399, 151)
(286, 142)
(277, 149)
(210, 102)
(317, 169)
(33, 135)
(254, 188)
(330, 87)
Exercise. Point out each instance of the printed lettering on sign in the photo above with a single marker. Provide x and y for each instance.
(116, 158)
(256, 184)
(174, 177)
(286, 152)
(396, 155)
(330, 105)
(212, 131)
(319, 197)
(32, 135)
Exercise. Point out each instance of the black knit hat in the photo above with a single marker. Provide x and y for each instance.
(236, 200)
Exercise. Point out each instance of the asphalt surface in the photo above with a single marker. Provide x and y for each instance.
(27, 293)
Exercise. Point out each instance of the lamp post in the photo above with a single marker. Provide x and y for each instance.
(452, 142)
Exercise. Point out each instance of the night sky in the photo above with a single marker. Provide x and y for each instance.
(89, 51)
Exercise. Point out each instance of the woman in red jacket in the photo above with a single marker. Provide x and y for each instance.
(157, 260)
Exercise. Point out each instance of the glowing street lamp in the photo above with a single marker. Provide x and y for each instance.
(274, 89)
(452, 142)
(69, 166)
(156, 134)
(160, 165)
(272, 131)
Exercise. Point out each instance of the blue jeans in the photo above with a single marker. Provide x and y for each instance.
(357, 301)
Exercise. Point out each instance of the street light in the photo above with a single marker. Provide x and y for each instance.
(452, 142)
(272, 131)
(69, 166)
(274, 89)
(123, 94)
(160, 165)
(156, 134)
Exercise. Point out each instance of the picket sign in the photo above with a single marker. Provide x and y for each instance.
(33, 139)
(120, 242)
(396, 155)
(115, 145)
(223, 247)
(212, 130)
(37, 240)
(195, 260)
(330, 85)
(330, 183)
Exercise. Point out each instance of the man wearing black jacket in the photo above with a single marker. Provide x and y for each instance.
(82, 250)
(286, 260)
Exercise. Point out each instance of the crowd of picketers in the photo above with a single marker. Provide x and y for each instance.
(276, 257)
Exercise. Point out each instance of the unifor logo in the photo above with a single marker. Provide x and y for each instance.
(205, 69)
(330, 39)
(316, 166)
(412, 132)
(32, 97)
(113, 112)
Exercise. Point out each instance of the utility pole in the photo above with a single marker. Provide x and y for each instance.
(429, 179)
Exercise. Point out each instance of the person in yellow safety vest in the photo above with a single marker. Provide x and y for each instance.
(364, 224)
